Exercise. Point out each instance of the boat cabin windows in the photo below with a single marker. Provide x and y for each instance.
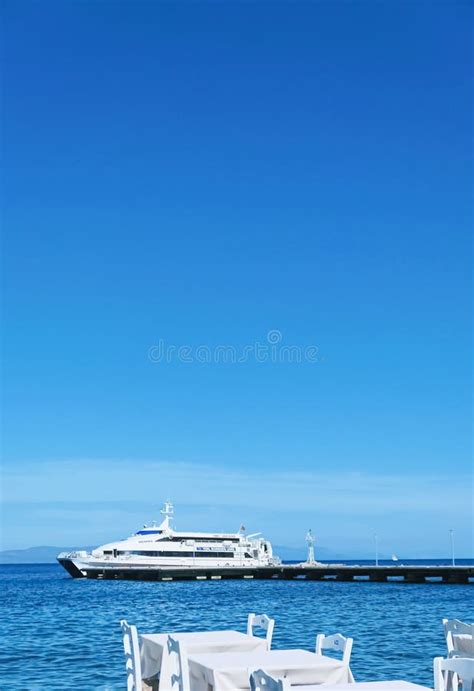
(198, 539)
(188, 555)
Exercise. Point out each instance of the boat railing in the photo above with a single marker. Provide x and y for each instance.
(72, 555)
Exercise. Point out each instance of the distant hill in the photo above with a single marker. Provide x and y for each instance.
(34, 555)
(289, 553)
(47, 555)
(300, 553)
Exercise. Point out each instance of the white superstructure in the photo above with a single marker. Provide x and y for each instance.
(162, 546)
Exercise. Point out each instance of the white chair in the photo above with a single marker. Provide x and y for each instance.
(174, 675)
(263, 622)
(261, 681)
(335, 642)
(132, 656)
(453, 673)
(454, 628)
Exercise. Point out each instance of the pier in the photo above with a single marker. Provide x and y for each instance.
(314, 572)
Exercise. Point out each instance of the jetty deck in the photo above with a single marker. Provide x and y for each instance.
(317, 572)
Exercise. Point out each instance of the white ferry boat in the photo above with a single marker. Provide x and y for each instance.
(159, 547)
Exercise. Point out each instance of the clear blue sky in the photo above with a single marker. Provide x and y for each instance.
(202, 174)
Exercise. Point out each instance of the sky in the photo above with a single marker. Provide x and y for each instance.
(237, 271)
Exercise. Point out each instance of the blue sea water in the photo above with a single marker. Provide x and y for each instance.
(62, 633)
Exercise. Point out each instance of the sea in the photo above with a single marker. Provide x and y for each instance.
(63, 633)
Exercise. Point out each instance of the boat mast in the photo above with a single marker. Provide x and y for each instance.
(167, 511)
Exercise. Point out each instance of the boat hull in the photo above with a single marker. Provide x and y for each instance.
(71, 568)
(83, 565)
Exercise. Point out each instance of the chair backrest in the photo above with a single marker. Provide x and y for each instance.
(453, 627)
(335, 642)
(131, 648)
(174, 675)
(453, 673)
(263, 622)
(261, 681)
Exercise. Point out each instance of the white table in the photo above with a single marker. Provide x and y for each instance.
(463, 644)
(229, 671)
(377, 686)
(152, 644)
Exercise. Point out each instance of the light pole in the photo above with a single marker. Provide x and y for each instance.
(310, 540)
(451, 535)
(376, 540)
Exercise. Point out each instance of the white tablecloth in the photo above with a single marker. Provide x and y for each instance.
(229, 671)
(152, 645)
(377, 686)
(463, 643)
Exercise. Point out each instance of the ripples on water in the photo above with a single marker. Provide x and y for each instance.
(62, 633)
